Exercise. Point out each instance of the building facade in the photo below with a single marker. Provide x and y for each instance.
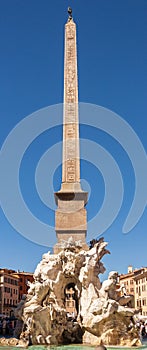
(9, 292)
(24, 278)
(140, 285)
(12, 286)
(135, 283)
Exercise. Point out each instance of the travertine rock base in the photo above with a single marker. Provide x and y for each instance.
(68, 304)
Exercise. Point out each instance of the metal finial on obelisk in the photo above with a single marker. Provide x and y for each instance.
(70, 13)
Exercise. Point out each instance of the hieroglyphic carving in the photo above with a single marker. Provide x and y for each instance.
(70, 64)
(71, 170)
(70, 113)
(71, 136)
(70, 146)
(70, 131)
(70, 31)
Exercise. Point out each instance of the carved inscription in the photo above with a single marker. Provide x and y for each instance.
(70, 80)
(70, 131)
(71, 141)
(70, 112)
(70, 30)
(71, 170)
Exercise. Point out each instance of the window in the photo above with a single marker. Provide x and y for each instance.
(131, 281)
(144, 302)
(136, 289)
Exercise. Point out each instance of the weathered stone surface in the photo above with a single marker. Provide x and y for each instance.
(68, 304)
(71, 214)
(9, 341)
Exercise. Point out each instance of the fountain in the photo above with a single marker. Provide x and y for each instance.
(67, 303)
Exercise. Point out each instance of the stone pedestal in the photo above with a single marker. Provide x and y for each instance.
(71, 218)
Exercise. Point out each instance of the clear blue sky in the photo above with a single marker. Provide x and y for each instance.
(112, 69)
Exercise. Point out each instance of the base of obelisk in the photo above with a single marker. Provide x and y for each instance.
(70, 219)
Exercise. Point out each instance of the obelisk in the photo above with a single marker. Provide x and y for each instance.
(71, 215)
